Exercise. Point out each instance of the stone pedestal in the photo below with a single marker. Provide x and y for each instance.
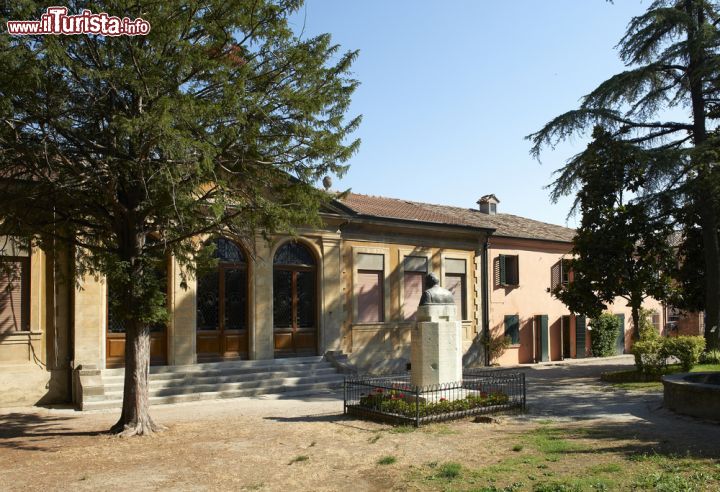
(436, 346)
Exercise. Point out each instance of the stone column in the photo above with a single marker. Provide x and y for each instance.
(436, 346)
(262, 342)
(182, 339)
(332, 295)
(89, 316)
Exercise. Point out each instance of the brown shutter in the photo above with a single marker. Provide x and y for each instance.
(369, 295)
(413, 292)
(14, 293)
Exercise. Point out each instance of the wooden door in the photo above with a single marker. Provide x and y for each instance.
(222, 300)
(295, 307)
(115, 341)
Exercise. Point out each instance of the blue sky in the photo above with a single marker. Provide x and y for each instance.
(450, 88)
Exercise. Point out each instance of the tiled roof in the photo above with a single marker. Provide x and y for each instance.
(505, 225)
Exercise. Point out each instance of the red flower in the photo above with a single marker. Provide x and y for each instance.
(379, 390)
(443, 399)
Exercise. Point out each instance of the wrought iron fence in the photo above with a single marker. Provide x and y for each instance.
(395, 399)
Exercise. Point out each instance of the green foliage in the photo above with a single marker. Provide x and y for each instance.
(651, 354)
(450, 470)
(387, 460)
(404, 404)
(621, 248)
(672, 58)
(220, 120)
(605, 331)
(710, 357)
(686, 349)
(496, 346)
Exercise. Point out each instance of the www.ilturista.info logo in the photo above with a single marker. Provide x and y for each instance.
(56, 20)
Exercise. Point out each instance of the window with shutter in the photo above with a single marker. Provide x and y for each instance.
(369, 295)
(507, 270)
(512, 328)
(413, 285)
(14, 295)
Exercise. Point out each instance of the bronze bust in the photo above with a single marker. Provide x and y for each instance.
(434, 294)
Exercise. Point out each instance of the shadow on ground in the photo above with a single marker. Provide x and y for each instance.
(26, 430)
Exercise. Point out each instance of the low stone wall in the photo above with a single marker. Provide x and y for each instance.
(695, 394)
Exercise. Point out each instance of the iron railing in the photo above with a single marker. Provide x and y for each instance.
(395, 399)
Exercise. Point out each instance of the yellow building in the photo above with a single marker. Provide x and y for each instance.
(351, 287)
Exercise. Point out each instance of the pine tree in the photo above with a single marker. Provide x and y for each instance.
(671, 52)
(220, 120)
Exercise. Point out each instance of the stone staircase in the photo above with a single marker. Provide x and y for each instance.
(215, 380)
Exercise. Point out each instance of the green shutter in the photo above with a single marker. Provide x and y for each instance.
(503, 270)
(512, 328)
(542, 325)
(621, 335)
(580, 337)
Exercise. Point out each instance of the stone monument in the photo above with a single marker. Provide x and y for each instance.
(436, 339)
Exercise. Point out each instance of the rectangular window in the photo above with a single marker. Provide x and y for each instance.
(14, 295)
(507, 270)
(455, 282)
(565, 271)
(369, 292)
(512, 328)
(656, 321)
(414, 271)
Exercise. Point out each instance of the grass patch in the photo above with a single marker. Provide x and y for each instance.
(550, 441)
(387, 460)
(450, 470)
(578, 458)
(605, 468)
(402, 429)
(634, 380)
(375, 438)
(299, 459)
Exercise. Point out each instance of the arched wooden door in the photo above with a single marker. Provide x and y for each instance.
(222, 305)
(295, 308)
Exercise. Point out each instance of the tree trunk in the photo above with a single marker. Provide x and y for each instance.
(635, 313)
(135, 417)
(711, 251)
(705, 192)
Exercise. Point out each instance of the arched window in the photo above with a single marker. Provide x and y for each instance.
(222, 290)
(294, 300)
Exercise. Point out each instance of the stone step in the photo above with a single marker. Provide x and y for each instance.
(297, 390)
(226, 386)
(117, 378)
(225, 365)
(191, 379)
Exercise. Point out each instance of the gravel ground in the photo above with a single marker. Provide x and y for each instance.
(275, 443)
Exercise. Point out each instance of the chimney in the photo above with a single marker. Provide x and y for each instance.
(488, 204)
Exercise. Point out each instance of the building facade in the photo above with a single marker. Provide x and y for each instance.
(351, 286)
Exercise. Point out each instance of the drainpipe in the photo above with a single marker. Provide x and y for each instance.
(485, 293)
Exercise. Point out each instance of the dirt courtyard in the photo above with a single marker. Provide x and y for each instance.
(307, 444)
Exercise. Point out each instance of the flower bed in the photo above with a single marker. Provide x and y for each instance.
(394, 399)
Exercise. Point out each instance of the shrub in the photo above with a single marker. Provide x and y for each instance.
(605, 331)
(686, 349)
(710, 357)
(650, 355)
(650, 351)
(497, 346)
